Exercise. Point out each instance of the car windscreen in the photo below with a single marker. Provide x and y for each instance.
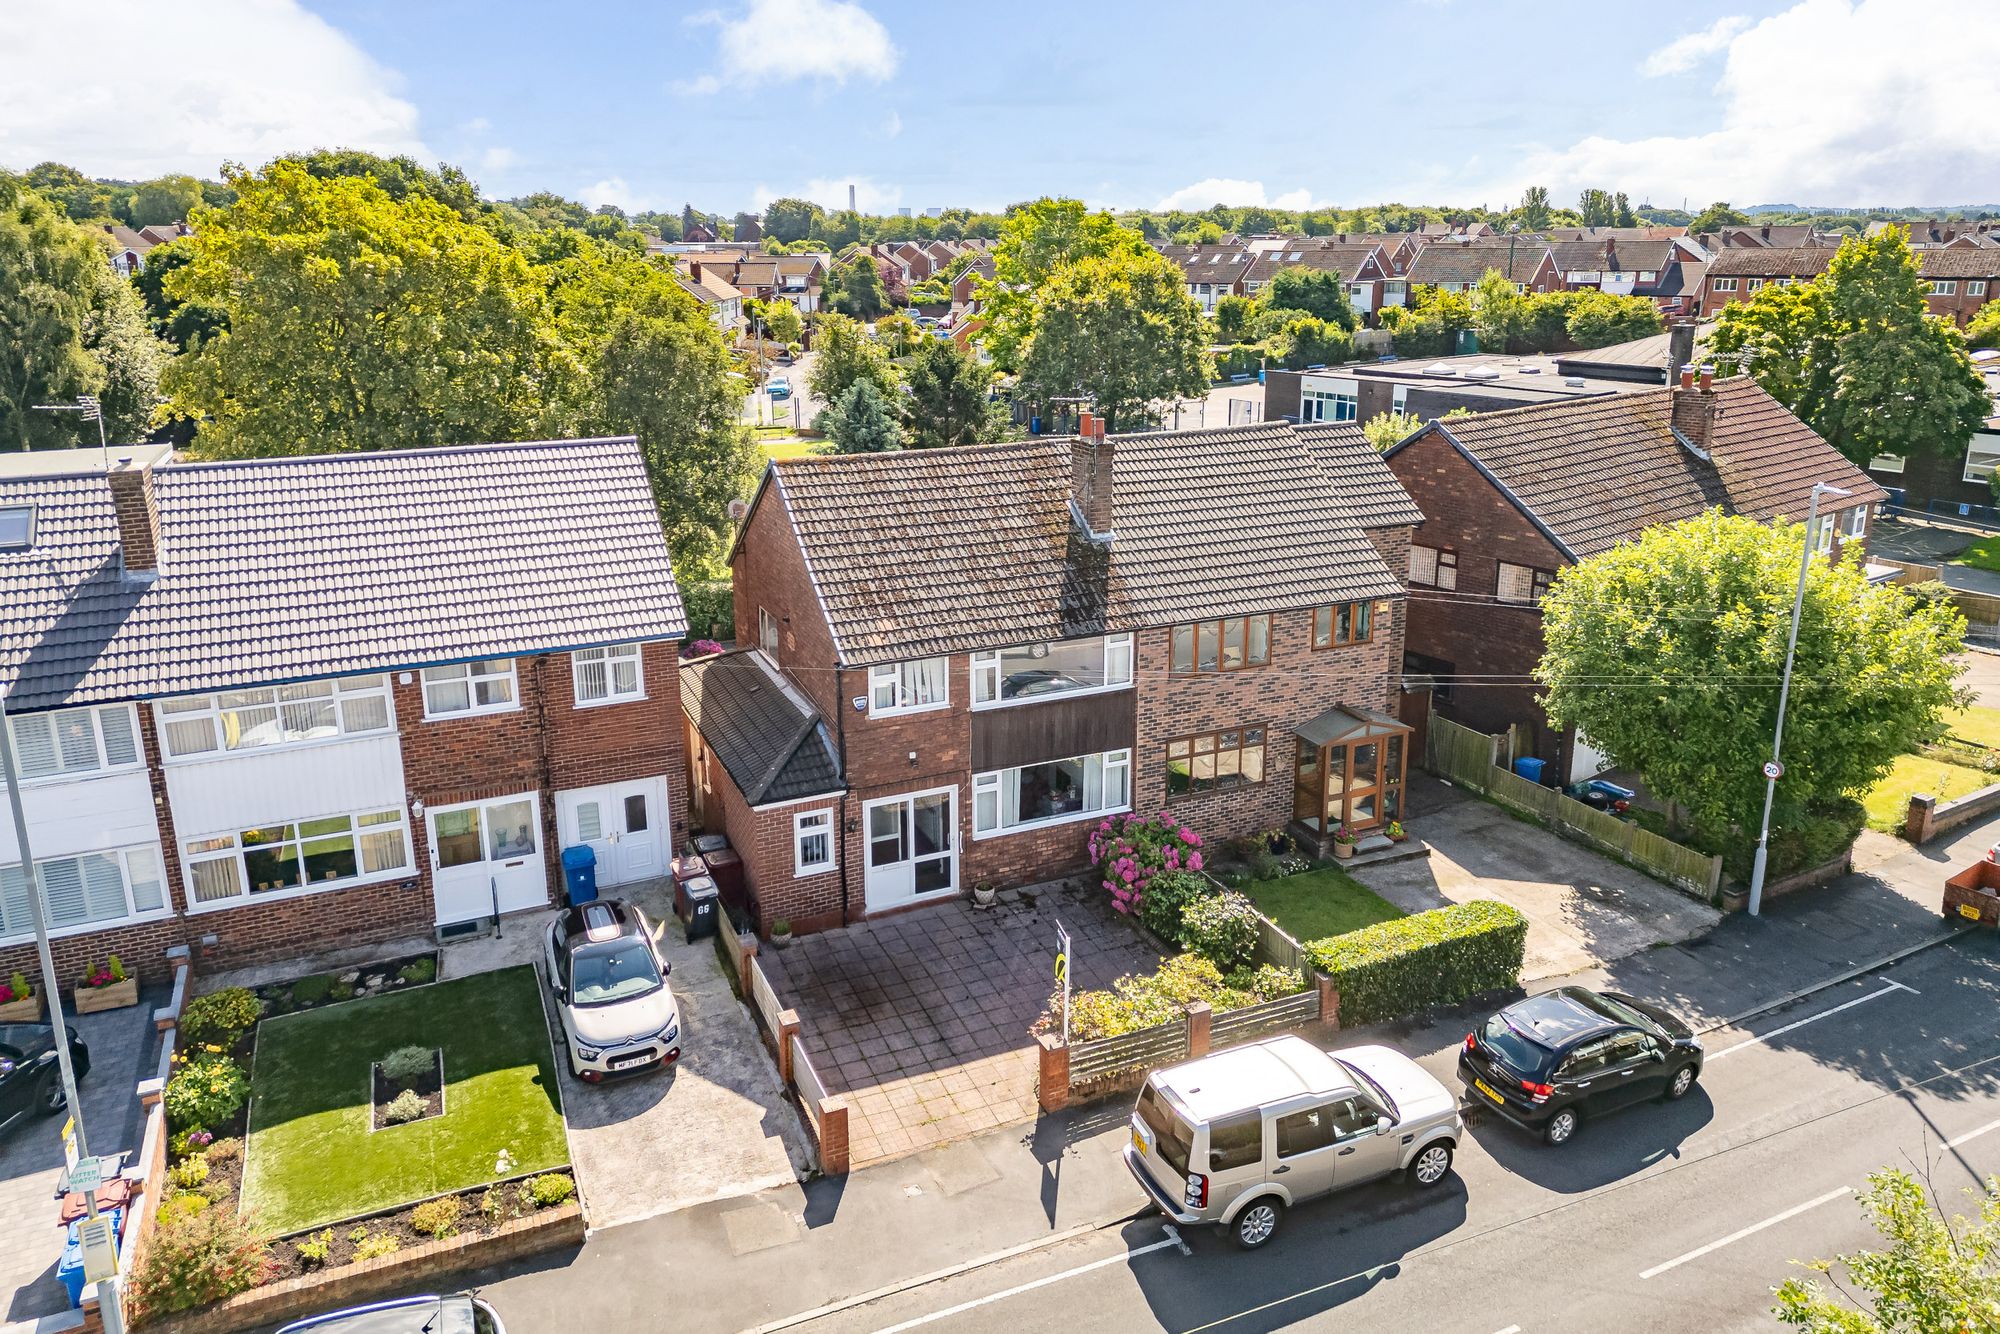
(1615, 1010)
(618, 971)
(1373, 1085)
(1173, 1138)
(1523, 1054)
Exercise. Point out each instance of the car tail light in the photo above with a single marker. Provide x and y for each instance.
(1196, 1196)
(1472, 1042)
(1538, 1092)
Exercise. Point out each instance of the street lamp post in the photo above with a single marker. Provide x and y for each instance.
(1775, 768)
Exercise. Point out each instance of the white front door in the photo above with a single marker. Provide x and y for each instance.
(485, 851)
(625, 824)
(912, 847)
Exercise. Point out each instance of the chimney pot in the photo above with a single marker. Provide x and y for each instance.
(1687, 377)
(1707, 378)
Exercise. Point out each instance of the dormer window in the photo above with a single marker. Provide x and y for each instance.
(17, 527)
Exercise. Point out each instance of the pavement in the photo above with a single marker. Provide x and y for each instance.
(124, 1049)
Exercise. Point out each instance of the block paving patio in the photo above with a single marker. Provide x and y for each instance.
(921, 1020)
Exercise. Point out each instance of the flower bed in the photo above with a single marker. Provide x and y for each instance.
(1127, 851)
(309, 993)
(1141, 1000)
(468, 1213)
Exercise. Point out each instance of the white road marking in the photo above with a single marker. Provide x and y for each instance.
(1511, 1329)
(1175, 1233)
(1971, 1135)
(1173, 1240)
(1741, 1233)
(1888, 987)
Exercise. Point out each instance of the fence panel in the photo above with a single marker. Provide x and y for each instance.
(764, 997)
(1458, 753)
(812, 1090)
(1275, 947)
(1106, 1056)
(1234, 1027)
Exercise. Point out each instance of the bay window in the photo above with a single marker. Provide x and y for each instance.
(1059, 790)
(1035, 671)
(607, 675)
(73, 742)
(273, 716)
(1221, 646)
(91, 888)
(469, 687)
(906, 687)
(320, 853)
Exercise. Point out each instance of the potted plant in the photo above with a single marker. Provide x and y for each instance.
(1343, 841)
(781, 931)
(105, 988)
(1396, 832)
(19, 1003)
(983, 894)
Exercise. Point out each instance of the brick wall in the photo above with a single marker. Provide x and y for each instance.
(763, 838)
(769, 571)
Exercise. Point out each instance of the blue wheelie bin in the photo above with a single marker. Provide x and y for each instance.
(1529, 768)
(579, 874)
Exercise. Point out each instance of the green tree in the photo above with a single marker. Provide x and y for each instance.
(899, 336)
(1598, 207)
(1118, 329)
(1667, 650)
(1599, 319)
(792, 219)
(166, 199)
(1317, 292)
(1307, 340)
(1386, 428)
(403, 176)
(181, 323)
(855, 288)
(1431, 326)
(781, 320)
(356, 322)
(1233, 315)
(948, 395)
(1035, 241)
(120, 339)
(842, 354)
(1716, 216)
(1932, 1275)
(1984, 330)
(1856, 355)
(83, 199)
(1500, 315)
(861, 421)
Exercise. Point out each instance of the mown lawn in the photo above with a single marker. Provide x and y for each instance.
(1316, 904)
(1981, 555)
(1888, 802)
(1980, 726)
(311, 1157)
(789, 448)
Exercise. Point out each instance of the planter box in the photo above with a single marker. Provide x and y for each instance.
(26, 1011)
(89, 1000)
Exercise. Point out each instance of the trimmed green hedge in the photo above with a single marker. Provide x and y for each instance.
(1440, 957)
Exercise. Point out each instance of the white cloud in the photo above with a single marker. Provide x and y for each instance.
(243, 80)
(831, 193)
(1236, 193)
(892, 126)
(1684, 53)
(1829, 102)
(498, 159)
(477, 125)
(613, 190)
(781, 41)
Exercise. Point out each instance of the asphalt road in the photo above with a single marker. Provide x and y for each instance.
(1664, 1217)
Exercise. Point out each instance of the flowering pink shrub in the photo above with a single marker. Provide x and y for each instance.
(1128, 850)
(701, 648)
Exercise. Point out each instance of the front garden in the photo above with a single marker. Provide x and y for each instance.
(1961, 762)
(345, 1116)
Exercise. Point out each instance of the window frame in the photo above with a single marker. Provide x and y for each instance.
(235, 852)
(899, 682)
(471, 680)
(988, 664)
(988, 784)
(170, 714)
(1975, 287)
(767, 631)
(1192, 743)
(123, 855)
(1723, 284)
(823, 818)
(1944, 287)
(609, 655)
(1889, 463)
(1986, 469)
(1539, 582)
(1442, 559)
(1362, 611)
(1857, 524)
(1221, 633)
(104, 768)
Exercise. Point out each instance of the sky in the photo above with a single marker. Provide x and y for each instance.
(1151, 104)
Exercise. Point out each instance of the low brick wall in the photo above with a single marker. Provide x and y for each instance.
(426, 1267)
(1928, 817)
(1809, 879)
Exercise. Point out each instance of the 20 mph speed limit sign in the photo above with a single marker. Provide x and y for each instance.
(1773, 770)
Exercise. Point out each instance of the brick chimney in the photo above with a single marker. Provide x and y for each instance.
(1694, 408)
(1680, 348)
(694, 271)
(138, 514)
(1610, 254)
(1090, 456)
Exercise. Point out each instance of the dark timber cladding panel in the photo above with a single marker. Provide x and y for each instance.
(1055, 729)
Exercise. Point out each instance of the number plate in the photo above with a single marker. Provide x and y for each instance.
(627, 1062)
(1138, 1140)
(1970, 910)
(1487, 1089)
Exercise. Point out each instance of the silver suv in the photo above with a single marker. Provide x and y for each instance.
(618, 1013)
(1238, 1137)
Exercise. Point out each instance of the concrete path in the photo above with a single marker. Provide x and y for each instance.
(1584, 910)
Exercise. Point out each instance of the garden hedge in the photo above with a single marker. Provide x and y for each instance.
(1440, 957)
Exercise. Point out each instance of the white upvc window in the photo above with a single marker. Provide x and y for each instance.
(608, 675)
(294, 857)
(812, 842)
(767, 631)
(1823, 534)
(232, 720)
(1886, 463)
(86, 889)
(1041, 671)
(1944, 287)
(1056, 792)
(470, 687)
(908, 687)
(1320, 405)
(1976, 287)
(1857, 521)
(1723, 284)
(1982, 458)
(73, 743)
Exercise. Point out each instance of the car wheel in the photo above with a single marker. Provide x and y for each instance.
(1560, 1127)
(49, 1097)
(1431, 1165)
(1258, 1223)
(1682, 1082)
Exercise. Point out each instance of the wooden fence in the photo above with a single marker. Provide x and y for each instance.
(1274, 946)
(1158, 1045)
(1233, 1027)
(1466, 757)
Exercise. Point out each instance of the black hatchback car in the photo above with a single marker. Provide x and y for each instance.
(1554, 1060)
(29, 1082)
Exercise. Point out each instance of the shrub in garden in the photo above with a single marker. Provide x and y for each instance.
(179, 1205)
(407, 1064)
(549, 1189)
(377, 1246)
(313, 1250)
(437, 1218)
(1127, 851)
(1167, 895)
(197, 1259)
(15, 988)
(423, 970)
(1141, 1000)
(312, 990)
(220, 1017)
(409, 1105)
(1268, 981)
(1221, 928)
(189, 1173)
(1440, 957)
(205, 1091)
(184, 1142)
(223, 1151)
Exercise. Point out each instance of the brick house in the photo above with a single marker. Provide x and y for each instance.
(265, 707)
(1510, 498)
(1961, 281)
(959, 661)
(1457, 266)
(1371, 282)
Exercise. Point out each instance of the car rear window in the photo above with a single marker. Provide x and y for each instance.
(1523, 1055)
(1173, 1138)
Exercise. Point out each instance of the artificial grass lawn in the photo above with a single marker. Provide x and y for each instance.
(311, 1157)
(1889, 800)
(1316, 904)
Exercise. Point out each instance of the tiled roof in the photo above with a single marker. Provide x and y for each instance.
(1811, 262)
(1779, 236)
(1598, 471)
(1210, 263)
(1632, 255)
(1377, 499)
(1456, 262)
(295, 568)
(1344, 260)
(769, 738)
(943, 550)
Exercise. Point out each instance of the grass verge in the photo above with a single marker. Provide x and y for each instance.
(1316, 904)
(1888, 802)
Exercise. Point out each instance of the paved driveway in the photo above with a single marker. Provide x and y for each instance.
(1583, 909)
(123, 1050)
(922, 1019)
